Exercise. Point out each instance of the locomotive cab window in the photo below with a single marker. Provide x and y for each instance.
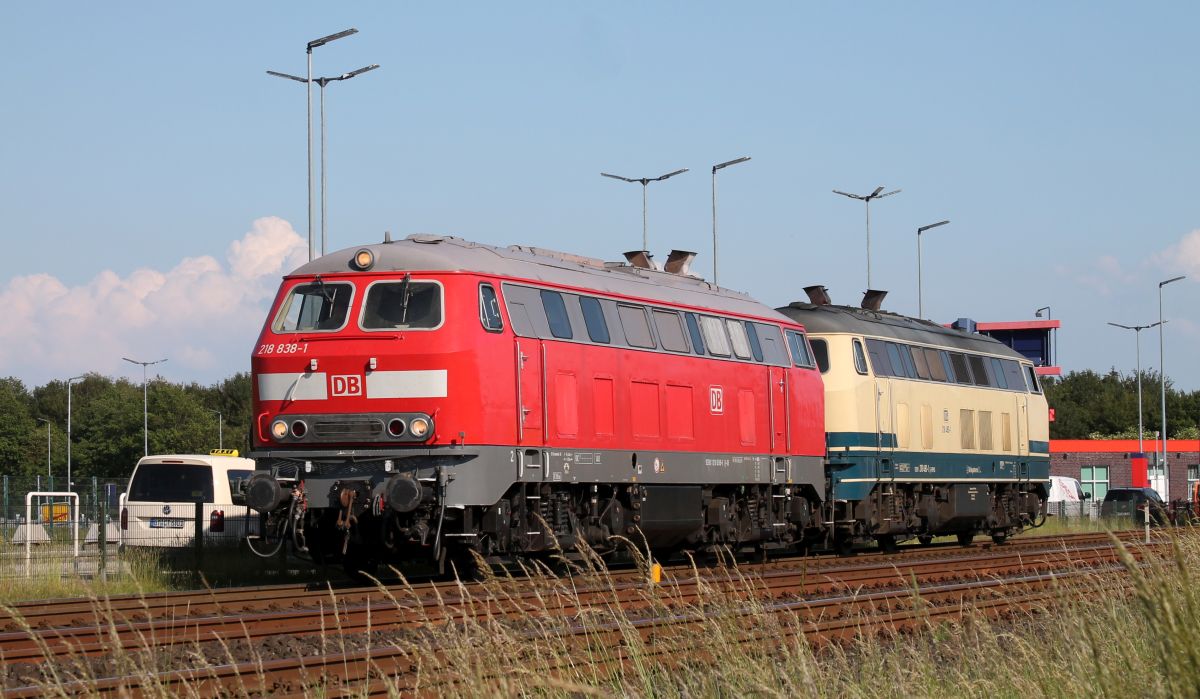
(489, 309)
(860, 358)
(820, 350)
(1032, 378)
(799, 346)
(319, 306)
(406, 304)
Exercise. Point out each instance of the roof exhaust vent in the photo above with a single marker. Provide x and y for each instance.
(873, 299)
(387, 236)
(679, 262)
(640, 259)
(818, 295)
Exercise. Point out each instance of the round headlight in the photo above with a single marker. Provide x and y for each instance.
(279, 429)
(363, 260)
(419, 427)
(396, 427)
(299, 429)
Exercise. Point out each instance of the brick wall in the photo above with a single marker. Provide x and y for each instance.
(1120, 472)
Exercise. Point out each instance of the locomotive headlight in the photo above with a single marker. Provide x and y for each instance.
(279, 429)
(419, 427)
(363, 260)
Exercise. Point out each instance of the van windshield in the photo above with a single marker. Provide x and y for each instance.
(171, 483)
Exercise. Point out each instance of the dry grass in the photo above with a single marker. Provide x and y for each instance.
(1095, 641)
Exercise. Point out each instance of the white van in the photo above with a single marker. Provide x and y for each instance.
(1066, 497)
(159, 508)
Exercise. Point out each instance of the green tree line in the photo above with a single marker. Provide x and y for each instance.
(106, 423)
(1091, 405)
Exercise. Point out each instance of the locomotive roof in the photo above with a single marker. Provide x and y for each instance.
(828, 318)
(436, 253)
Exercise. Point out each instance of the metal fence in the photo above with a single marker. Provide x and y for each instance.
(1080, 509)
(91, 532)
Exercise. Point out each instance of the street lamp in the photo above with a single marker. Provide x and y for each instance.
(323, 82)
(42, 419)
(920, 297)
(1137, 330)
(866, 198)
(220, 428)
(719, 166)
(145, 404)
(1162, 370)
(70, 381)
(308, 113)
(1038, 314)
(644, 181)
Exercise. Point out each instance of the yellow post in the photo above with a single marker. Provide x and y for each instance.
(655, 573)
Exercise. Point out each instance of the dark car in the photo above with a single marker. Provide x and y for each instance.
(1130, 503)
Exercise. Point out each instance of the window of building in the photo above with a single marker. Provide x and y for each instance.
(637, 329)
(820, 350)
(405, 304)
(1094, 480)
(556, 314)
(489, 309)
(1193, 477)
(860, 358)
(670, 330)
(593, 318)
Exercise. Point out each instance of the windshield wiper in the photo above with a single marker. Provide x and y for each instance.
(405, 297)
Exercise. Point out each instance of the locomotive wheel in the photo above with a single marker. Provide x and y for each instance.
(886, 543)
(999, 537)
(843, 546)
(925, 539)
(965, 538)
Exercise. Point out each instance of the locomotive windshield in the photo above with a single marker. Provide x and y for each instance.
(313, 307)
(403, 304)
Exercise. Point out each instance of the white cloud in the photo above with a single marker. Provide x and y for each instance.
(203, 315)
(1183, 256)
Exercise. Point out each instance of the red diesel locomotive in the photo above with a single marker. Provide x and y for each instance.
(431, 396)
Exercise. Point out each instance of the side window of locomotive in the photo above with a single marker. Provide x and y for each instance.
(637, 330)
(910, 368)
(556, 314)
(860, 358)
(998, 373)
(404, 304)
(737, 334)
(670, 330)
(921, 362)
(593, 318)
(714, 336)
(900, 368)
(314, 307)
(693, 327)
(489, 309)
(773, 349)
(820, 352)
(755, 345)
(946, 364)
(1031, 375)
(1012, 374)
(961, 373)
(800, 353)
(879, 358)
(933, 361)
(979, 370)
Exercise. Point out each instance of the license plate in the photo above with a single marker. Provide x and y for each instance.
(157, 523)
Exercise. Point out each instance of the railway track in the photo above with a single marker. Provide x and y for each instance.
(816, 585)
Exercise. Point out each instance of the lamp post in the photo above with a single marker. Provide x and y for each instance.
(920, 297)
(70, 381)
(644, 181)
(866, 199)
(1038, 314)
(220, 429)
(719, 166)
(145, 403)
(323, 82)
(42, 419)
(1162, 369)
(1137, 330)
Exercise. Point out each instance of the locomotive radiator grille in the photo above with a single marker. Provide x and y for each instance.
(347, 427)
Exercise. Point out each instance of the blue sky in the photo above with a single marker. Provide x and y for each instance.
(149, 158)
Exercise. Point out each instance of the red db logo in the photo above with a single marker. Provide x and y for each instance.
(345, 385)
(716, 400)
